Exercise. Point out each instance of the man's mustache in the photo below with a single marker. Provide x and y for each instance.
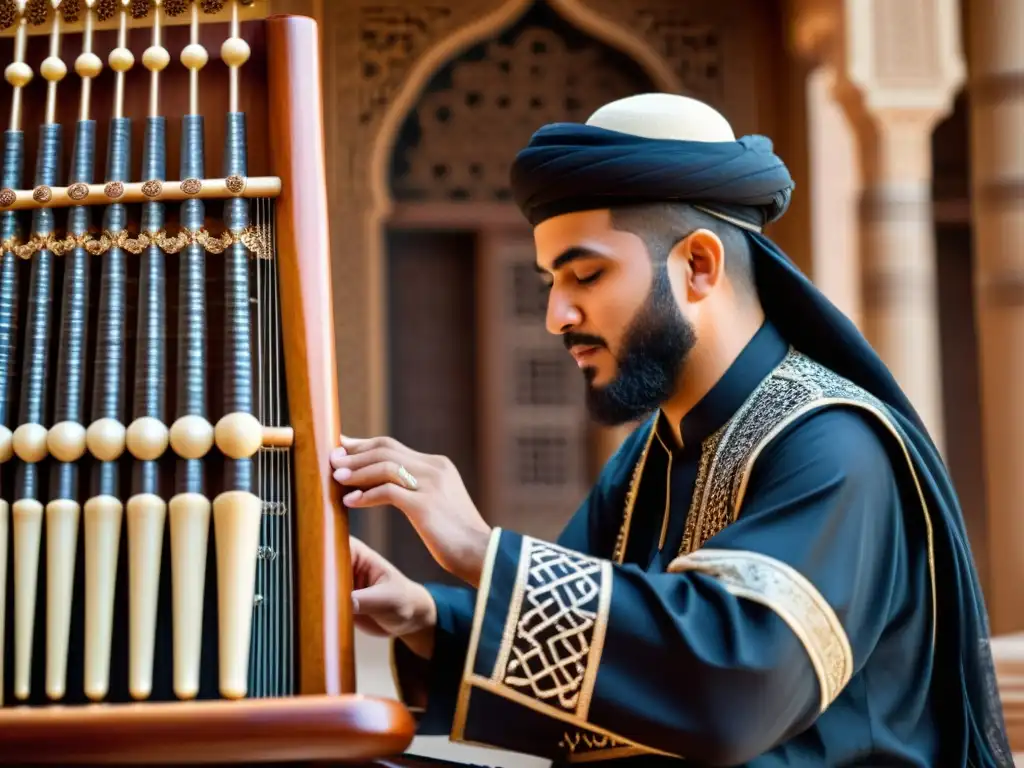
(572, 339)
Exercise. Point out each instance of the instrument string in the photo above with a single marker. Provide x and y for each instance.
(29, 440)
(259, 631)
(284, 623)
(148, 594)
(17, 75)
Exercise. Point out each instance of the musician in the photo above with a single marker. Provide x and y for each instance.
(772, 570)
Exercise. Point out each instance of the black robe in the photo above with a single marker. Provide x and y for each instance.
(761, 595)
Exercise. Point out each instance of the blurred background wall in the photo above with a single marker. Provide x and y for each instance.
(900, 121)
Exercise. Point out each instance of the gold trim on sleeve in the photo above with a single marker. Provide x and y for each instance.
(634, 488)
(555, 628)
(789, 594)
(462, 702)
(551, 643)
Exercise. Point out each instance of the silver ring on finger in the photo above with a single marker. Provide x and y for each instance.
(407, 479)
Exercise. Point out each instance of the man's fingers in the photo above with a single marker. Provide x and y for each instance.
(369, 626)
(376, 456)
(373, 475)
(362, 444)
(388, 493)
(386, 597)
(338, 457)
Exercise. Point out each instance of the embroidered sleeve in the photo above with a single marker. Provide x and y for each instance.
(536, 643)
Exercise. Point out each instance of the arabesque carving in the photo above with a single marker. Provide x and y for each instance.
(690, 44)
(470, 132)
(391, 37)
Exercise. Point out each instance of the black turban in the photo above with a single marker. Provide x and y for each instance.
(570, 167)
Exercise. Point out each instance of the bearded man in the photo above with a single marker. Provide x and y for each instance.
(771, 571)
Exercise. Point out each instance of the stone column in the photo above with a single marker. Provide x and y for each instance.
(815, 39)
(902, 65)
(997, 168)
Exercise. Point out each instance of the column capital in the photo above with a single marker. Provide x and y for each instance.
(815, 31)
(904, 56)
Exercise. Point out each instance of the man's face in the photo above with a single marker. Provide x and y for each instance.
(615, 312)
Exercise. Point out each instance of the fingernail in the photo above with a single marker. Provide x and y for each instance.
(352, 497)
(342, 474)
(355, 604)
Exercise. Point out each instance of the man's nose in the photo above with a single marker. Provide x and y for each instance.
(563, 315)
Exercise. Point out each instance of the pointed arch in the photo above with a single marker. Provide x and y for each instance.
(480, 29)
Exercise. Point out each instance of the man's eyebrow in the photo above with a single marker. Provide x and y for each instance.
(568, 256)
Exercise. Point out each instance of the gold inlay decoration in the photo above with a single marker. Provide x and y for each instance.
(39, 13)
(80, 193)
(251, 237)
(634, 488)
(106, 9)
(780, 587)
(191, 186)
(591, 747)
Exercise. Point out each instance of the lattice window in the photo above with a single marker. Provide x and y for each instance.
(687, 35)
(459, 142)
(694, 49)
(542, 457)
(529, 296)
(544, 377)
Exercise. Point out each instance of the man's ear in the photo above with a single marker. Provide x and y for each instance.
(696, 264)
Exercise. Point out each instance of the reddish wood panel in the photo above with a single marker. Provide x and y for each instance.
(325, 636)
(243, 732)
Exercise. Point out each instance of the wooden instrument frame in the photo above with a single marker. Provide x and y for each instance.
(325, 631)
(326, 720)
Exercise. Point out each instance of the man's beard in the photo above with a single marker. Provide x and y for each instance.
(654, 348)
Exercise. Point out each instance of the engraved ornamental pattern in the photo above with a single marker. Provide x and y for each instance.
(471, 123)
(558, 615)
(391, 37)
(691, 45)
(797, 385)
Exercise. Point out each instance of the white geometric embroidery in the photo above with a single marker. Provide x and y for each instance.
(558, 626)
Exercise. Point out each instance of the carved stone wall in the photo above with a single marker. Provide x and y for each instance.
(458, 143)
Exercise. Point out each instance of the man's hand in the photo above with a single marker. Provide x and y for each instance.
(386, 603)
(427, 489)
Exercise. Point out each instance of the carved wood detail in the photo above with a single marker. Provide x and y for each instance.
(682, 34)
